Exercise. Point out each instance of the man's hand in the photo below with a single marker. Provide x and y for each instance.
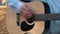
(25, 11)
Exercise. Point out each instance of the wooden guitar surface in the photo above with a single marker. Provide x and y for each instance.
(12, 27)
(11, 22)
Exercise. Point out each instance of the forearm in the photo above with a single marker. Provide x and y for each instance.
(15, 4)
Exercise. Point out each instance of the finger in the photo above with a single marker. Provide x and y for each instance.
(28, 6)
(28, 15)
(25, 11)
(25, 8)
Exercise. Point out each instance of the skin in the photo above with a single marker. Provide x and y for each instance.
(25, 11)
(0, 0)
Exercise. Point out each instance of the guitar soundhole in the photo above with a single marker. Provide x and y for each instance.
(26, 27)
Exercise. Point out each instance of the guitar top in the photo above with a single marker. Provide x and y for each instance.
(36, 28)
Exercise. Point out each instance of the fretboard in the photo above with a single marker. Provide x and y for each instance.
(38, 17)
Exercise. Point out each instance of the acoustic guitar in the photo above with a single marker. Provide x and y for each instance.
(33, 25)
(12, 25)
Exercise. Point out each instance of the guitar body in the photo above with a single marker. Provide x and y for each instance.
(38, 26)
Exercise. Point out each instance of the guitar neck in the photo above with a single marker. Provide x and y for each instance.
(44, 17)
